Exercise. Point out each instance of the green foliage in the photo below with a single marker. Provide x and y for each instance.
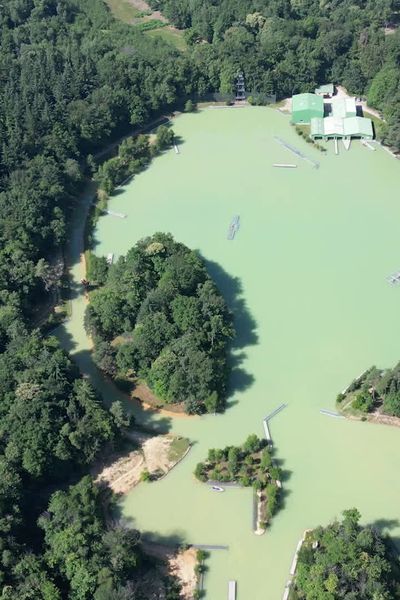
(363, 402)
(177, 323)
(248, 465)
(165, 137)
(376, 388)
(190, 106)
(349, 562)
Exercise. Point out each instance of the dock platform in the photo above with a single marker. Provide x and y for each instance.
(296, 151)
(275, 412)
(115, 214)
(232, 590)
(209, 547)
(267, 432)
(331, 413)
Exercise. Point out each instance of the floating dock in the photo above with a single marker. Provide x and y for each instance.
(295, 151)
(110, 258)
(176, 149)
(336, 146)
(393, 279)
(233, 227)
(285, 165)
(115, 214)
(367, 145)
(208, 547)
(346, 143)
(267, 432)
(232, 590)
(228, 484)
(330, 413)
(275, 412)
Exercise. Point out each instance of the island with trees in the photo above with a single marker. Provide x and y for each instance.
(157, 317)
(248, 465)
(374, 396)
(346, 560)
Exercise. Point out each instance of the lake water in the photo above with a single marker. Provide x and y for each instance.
(306, 279)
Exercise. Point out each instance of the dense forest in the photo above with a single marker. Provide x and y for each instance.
(375, 390)
(72, 79)
(345, 560)
(288, 46)
(158, 316)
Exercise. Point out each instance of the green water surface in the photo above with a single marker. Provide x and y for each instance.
(305, 277)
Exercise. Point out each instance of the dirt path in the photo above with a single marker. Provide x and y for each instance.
(343, 93)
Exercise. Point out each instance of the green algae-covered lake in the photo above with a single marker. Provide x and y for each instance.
(306, 279)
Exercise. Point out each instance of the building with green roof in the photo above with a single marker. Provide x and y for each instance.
(336, 127)
(344, 107)
(306, 107)
(327, 89)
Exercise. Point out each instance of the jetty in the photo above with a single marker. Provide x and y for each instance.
(275, 412)
(296, 151)
(336, 146)
(267, 432)
(110, 258)
(368, 145)
(347, 142)
(176, 149)
(331, 413)
(285, 165)
(233, 227)
(229, 484)
(115, 214)
(232, 590)
(209, 547)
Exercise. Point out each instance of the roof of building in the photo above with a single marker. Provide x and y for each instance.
(358, 126)
(327, 88)
(335, 126)
(344, 107)
(307, 102)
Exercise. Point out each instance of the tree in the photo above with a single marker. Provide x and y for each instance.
(165, 137)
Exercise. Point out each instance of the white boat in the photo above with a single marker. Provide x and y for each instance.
(217, 488)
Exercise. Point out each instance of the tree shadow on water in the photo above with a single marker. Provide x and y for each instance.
(245, 325)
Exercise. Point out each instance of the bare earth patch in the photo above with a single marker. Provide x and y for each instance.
(120, 474)
(123, 472)
(145, 396)
(180, 563)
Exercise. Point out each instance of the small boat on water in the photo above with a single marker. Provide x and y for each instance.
(217, 488)
(233, 227)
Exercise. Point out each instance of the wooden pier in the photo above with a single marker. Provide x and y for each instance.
(367, 145)
(330, 413)
(232, 590)
(267, 432)
(295, 151)
(336, 146)
(115, 214)
(209, 547)
(275, 412)
(285, 165)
